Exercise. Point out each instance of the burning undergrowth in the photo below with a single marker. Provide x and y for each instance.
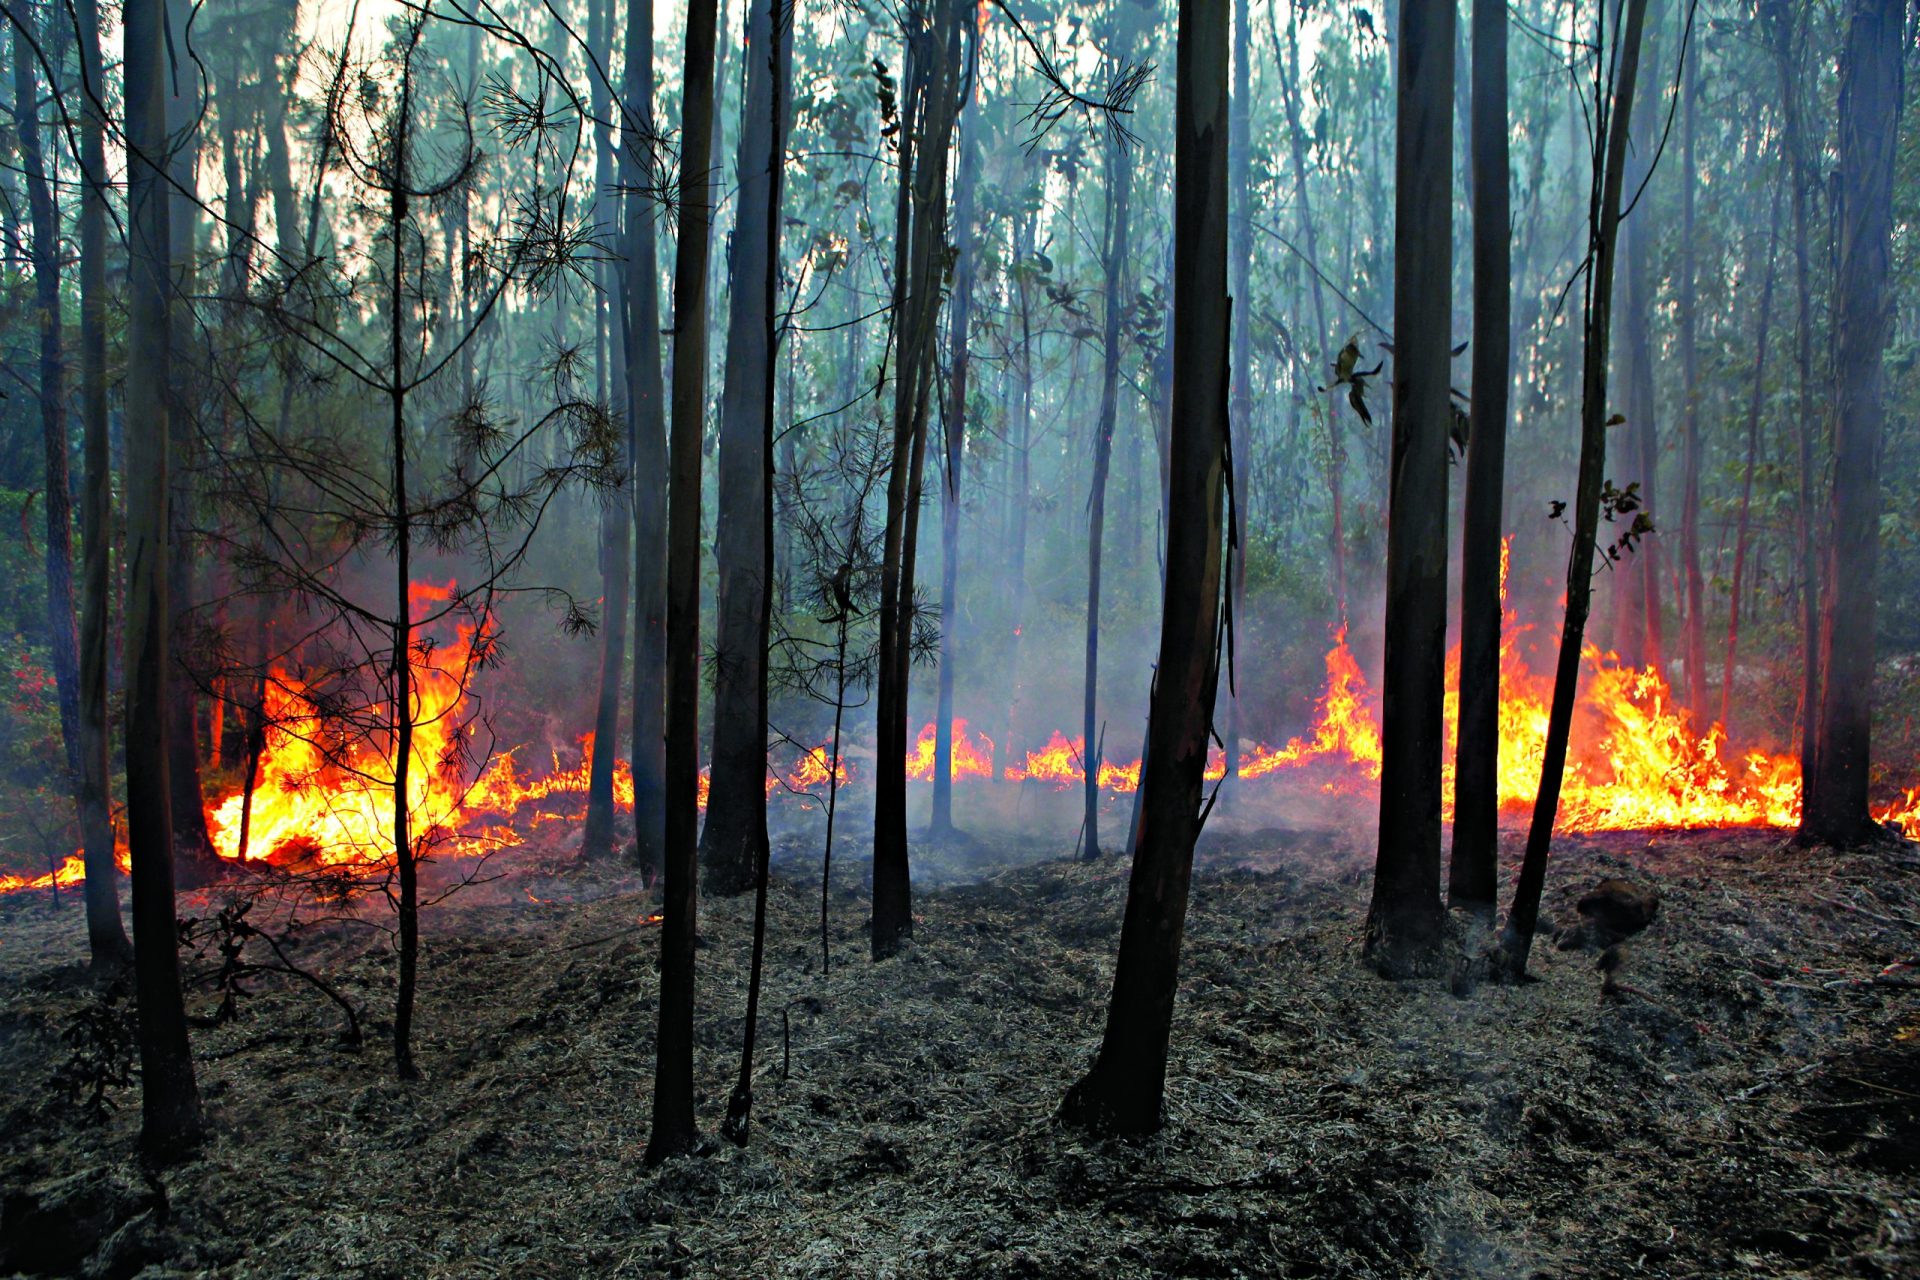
(1738, 1104)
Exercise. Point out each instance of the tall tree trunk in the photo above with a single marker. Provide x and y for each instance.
(598, 835)
(1603, 221)
(1473, 875)
(1872, 74)
(1405, 920)
(193, 844)
(646, 420)
(106, 938)
(1019, 492)
(734, 843)
(954, 422)
(58, 502)
(1779, 19)
(1637, 630)
(673, 1131)
(1746, 485)
(775, 49)
(1123, 1091)
(171, 1123)
(1240, 400)
(929, 108)
(1119, 194)
(1696, 633)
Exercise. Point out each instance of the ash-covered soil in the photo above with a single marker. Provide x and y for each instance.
(1739, 1105)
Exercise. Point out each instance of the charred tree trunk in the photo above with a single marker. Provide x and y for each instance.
(1405, 921)
(58, 504)
(775, 50)
(1240, 402)
(1695, 623)
(1119, 194)
(734, 843)
(1604, 227)
(106, 937)
(193, 845)
(1746, 484)
(1473, 874)
(171, 1123)
(673, 1131)
(598, 835)
(954, 422)
(646, 420)
(1123, 1092)
(931, 103)
(1872, 72)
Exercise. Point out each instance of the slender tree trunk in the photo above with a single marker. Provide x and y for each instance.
(107, 939)
(598, 835)
(1604, 228)
(734, 843)
(1746, 485)
(931, 103)
(1696, 625)
(58, 502)
(196, 862)
(1405, 921)
(673, 1131)
(1019, 495)
(1474, 873)
(171, 1123)
(1119, 194)
(775, 50)
(1872, 74)
(954, 420)
(640, 286)
(1123, 1091)
(1240, 403)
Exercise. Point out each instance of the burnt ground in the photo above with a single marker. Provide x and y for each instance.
(1746, 1104)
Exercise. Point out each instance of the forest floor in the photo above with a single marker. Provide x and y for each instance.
(1745, 1105)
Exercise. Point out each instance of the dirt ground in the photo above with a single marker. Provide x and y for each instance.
(1744, 1104)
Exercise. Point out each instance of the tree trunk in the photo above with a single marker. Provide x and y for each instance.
(1123, 1092)
(1119, 194)
(777, 54)
(58, 502)
(171, 1124)
(197, 863)
(1696, 625)
(640, 288)
(673, 1131)
(929, 108)
(1240, 396)
(1405, 920)
(1746, 484)
(1604, 229)
(1871, 84)
(954, 420)
(734, 843)
(1474, 873)
(598, 835)
(106, 937)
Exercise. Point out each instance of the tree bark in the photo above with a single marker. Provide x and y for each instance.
(1696, 626)
(1604, 230)
(673, 1131)
(640, 289)
(1240, 394)
(1871, 85)
(1746, 484)
(929, 108)
(1405, 921)
(1123, 1091)
(171, 1123)
(1474, 872)
(106, 937)
(734, 843)
(954, 421)
(598, 835)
